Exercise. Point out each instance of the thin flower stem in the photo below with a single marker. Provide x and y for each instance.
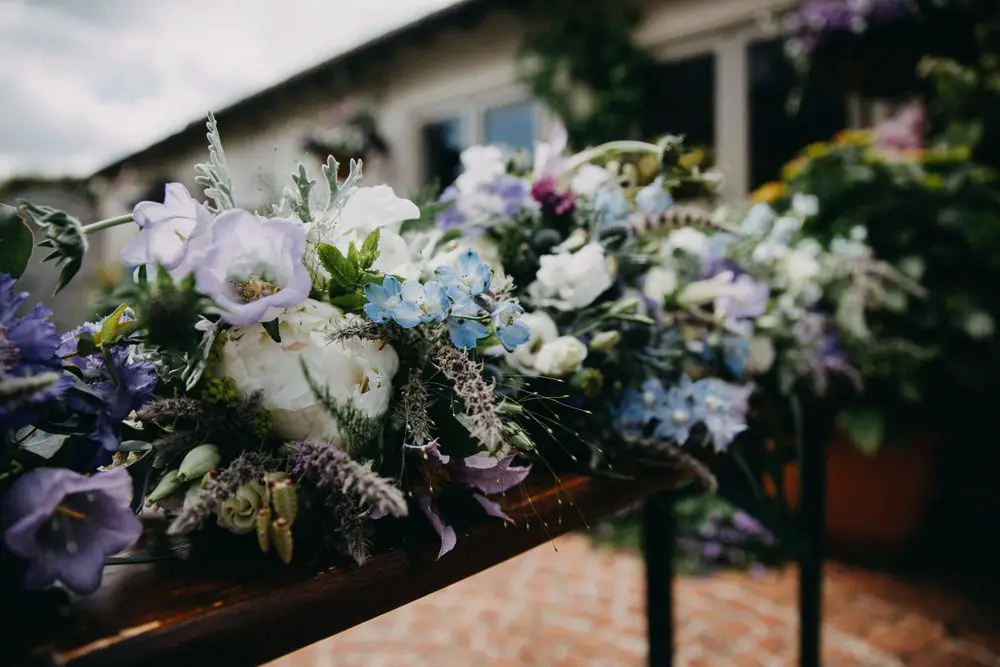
(106, 224)
(624, 146)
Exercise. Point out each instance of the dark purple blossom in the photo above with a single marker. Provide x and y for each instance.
(28, 346)
(483, 474)
(815, 20)
(65, 524)
(127, 385)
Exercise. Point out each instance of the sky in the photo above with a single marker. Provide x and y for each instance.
(83, 82)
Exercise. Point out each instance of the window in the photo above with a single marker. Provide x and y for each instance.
(512, 125)
(776, 136)
(442, 146)
(684, 100)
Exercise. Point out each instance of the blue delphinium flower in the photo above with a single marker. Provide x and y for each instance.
(511, 332)
(639, 406)
(653, 200)
(422, 303)
(383, 299)
(465, 333)
(722, 408)
(28, 348)
(611, 205)
(675, 416)
(470, 276)
(735, 354)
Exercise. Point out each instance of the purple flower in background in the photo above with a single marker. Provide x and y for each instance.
(815, 20)
(452, 217)
(904, 131)
(485, 475)
(65, 524)
(28, 349)
(127, 386)
(253, 267)
(745, 298)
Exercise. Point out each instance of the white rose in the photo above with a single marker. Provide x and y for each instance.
(543, 330)
(238, 512)
(356, 371)
(659, 282)
(588, 179)
(572, 281)
(560, 357)
(687, 239)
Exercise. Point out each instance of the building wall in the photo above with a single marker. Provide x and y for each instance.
(458, 72)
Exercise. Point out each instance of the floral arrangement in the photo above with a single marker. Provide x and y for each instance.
(875, 179)
(662, 318)
(285, 374)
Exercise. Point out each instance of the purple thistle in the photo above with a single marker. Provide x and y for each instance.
(65, 524)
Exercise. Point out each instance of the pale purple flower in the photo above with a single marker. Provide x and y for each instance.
(549, 159)
(485, 475)
(746, 298)
(65, 524)
(253, 267)
(904, 131)
(170, 233)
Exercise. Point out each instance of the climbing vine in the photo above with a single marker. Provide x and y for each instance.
(580, 60)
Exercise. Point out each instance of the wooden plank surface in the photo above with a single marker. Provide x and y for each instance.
(236, 612)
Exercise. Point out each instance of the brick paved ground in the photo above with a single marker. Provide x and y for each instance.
(583, 606)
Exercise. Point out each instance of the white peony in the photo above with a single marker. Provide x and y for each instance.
(543, 330)
(660, 282)
(356, 371)
(687, 239)
(588, 179)
(560, 357)
(480, 164)
(368, 209)
(572, 281)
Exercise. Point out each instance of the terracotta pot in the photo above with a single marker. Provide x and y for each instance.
(876, 505)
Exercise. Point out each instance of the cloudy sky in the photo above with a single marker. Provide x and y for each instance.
(86, 81)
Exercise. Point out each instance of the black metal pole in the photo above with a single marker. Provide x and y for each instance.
(659, 532)
(812, 501)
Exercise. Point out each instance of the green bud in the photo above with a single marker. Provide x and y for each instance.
(624, 307)
(199, 461)
(281, 532)
(284, 499)
(604, 341)
(587, 381)
(264, 528)
(519, 438)
(509, 408)
(169, 483)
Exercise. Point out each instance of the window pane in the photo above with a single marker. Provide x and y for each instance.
(775, 135)
(512, 125)
(684, 101)
(442, 145)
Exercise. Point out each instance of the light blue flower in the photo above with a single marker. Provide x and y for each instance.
(383, 299)
(675, 417)
(735, 353)
(611, 205)
(465, 333)
(653, 200)
(470, 276)
(427, 303)
(639, 406)
(511, 332)
(722, 408)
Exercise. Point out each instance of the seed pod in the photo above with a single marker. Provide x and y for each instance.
(285, 500)
(605, 340)
(263, 528)
(199, 461)
(169, 483)
(281, 533)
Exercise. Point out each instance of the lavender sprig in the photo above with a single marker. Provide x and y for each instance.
(244, 468)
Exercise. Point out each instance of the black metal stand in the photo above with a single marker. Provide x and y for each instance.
(659, 532)
(812, 501)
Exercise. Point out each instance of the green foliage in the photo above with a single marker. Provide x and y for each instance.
(351, 272)
(866, 427)
(581, 61)
(64, 235)
(214, 174)
(15, 242)
(361, 434)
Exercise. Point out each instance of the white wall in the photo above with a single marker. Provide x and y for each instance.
(463, 71)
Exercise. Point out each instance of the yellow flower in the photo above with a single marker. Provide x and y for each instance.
(692, 159)
(769, 192)
(853, 137)
(933, 181)
(794, 168)
(813, 151)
